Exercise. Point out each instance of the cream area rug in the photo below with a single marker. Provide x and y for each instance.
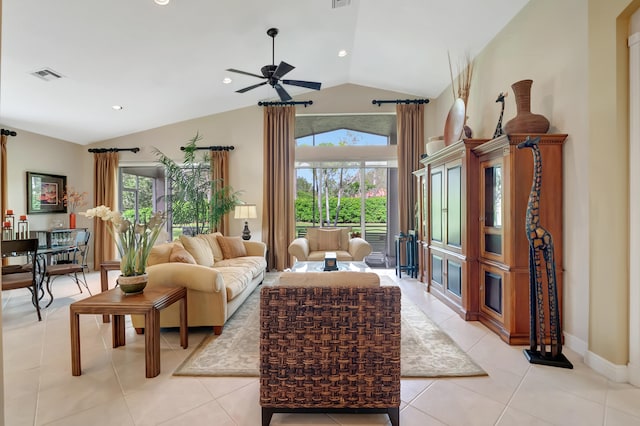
(426, 351)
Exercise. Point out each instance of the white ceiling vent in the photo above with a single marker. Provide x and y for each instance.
(341, 3)
(47, 74)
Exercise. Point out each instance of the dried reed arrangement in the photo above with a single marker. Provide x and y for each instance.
(465, 74)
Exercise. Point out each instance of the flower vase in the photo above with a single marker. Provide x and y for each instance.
(132, 284)
(525, 121)
(72, 220)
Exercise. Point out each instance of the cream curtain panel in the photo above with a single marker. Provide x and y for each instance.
(105, 183)
(410, 148)
(3, 180)
(3, 187)
(278, 219)
(220, 177)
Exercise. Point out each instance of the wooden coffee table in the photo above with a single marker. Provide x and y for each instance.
(115, 302)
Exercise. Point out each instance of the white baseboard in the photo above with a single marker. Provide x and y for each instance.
(577, 345)
(634, 373)
(616, 373)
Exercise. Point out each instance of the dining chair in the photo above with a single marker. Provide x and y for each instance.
(77, 265)
(19, 276)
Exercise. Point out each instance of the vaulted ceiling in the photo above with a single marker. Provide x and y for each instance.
(165, 64)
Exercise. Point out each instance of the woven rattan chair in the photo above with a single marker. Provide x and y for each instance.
(330, 349)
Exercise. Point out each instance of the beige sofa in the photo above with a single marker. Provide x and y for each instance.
(321, 240)
(218, 272)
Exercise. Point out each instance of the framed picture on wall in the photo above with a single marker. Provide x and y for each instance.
(45, 193)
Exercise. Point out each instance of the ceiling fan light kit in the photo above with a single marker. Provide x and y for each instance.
(273, 74)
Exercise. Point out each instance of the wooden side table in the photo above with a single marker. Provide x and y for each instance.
(105, 267)
(115, 302)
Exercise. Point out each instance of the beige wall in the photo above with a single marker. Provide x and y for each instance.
(575, 52)
(545, 42)
(36, 153)
(242, 128)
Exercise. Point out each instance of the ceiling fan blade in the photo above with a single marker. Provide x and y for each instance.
(308, 84)
(284, 96)
(246, 89)
(282, 69)
(245, 73)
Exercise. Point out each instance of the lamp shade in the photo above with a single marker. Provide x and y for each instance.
(245, 211)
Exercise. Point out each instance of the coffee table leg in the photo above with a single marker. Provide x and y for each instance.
(184, 331)
(152, 342)
(117, 331)
(76, 369)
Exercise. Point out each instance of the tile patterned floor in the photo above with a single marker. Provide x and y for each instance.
(40, 390)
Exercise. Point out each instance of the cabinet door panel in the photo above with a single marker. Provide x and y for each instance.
(454, 277)
(436, 205)
(454, 206)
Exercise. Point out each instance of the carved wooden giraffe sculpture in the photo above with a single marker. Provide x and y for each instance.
(541, 244)
(499, 131)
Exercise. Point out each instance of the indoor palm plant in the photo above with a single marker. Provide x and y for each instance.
(134, 241)
(197, 200)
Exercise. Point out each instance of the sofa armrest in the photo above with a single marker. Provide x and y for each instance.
(189, 276)
(359, 248)
(299, 248)
(255, 248)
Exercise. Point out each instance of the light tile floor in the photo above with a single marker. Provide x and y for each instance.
(40, 390)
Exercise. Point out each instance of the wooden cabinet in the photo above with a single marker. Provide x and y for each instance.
(421, 221)
(505, 175)
(449, 250)
(475, 250)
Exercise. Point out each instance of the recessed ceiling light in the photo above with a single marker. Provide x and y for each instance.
(226, 80)
(117, 107)
(342, 53)
(162, 2)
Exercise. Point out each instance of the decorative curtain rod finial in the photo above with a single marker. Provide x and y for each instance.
(7, 132)
(400, 101)
(103, 150)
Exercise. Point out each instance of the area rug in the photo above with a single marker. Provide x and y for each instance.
(426, 351)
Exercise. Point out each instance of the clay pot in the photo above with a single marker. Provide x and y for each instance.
(133, 284)
(525, 121)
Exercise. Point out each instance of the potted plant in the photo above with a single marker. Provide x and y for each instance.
(197, 199)
(134, 241)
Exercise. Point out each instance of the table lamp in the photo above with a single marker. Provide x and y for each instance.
(244, 212)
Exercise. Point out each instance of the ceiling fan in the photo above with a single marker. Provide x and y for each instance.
(273, 74)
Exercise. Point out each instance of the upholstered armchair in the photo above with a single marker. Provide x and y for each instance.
(330, 342)
(320, 240)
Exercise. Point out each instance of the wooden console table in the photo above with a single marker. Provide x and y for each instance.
(115, 302)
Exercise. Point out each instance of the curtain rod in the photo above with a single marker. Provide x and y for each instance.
(8, 132)
(212, 148)
(305, 103)
(401, 101)
(103, 150)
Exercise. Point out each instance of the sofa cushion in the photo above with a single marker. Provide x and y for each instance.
(180, 254)
(236, 279)
(328, 239)
(329, 279)
(318, 256)
(199, 248)
(212, 240)
(232, 247)
(160, 254)
(256, 264)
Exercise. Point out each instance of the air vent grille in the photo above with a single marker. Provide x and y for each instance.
(340, 3)
(47, 74)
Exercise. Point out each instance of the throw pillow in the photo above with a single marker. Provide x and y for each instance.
(159, 254)
(199, 249)
(312, 238)
(212, 240)
(232, 247)
(180, 254)
(329, 239)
